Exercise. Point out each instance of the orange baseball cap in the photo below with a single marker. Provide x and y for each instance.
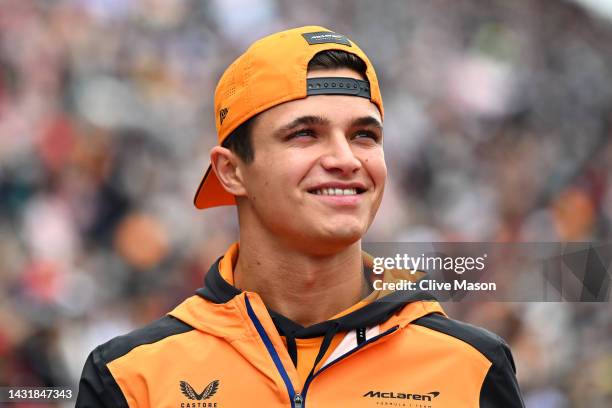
(273, 71)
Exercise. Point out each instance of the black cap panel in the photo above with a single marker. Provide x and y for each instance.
(338, 86)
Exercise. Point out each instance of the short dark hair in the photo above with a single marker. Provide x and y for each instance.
(239, 141)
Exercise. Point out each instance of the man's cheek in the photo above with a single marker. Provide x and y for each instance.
(378, 171)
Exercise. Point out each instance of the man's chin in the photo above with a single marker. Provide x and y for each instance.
(334, 240)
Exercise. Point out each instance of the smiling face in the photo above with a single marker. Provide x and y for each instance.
(319, 171)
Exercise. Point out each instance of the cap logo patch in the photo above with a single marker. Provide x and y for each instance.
(222, 114)
(324, 37)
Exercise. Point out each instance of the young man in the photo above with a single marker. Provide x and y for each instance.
(287, 317)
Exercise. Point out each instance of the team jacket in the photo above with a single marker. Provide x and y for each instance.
(223, 348)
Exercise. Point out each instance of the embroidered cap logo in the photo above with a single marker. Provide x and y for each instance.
(222, 114)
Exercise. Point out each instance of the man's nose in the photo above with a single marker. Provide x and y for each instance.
(339, 155)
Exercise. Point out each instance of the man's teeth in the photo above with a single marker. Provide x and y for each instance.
(336, 191)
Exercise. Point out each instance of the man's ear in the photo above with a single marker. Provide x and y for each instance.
(225, 165)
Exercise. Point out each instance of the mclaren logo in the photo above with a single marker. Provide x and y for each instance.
(402, 395)
(189, 392)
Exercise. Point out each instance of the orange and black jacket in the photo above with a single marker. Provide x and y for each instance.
(223, 348)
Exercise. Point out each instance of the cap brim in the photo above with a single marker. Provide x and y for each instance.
(211, 193)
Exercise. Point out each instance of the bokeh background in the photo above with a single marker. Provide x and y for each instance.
(497, 128)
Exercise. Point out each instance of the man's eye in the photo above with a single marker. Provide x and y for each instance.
(366, 134)
(301, 133)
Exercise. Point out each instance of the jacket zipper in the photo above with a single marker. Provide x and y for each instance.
(342, 357)
(298, 400)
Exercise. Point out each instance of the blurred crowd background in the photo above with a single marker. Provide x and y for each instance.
(498, 128)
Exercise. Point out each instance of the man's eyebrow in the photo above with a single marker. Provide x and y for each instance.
(310, 120)
(368, 121)
(301, 121)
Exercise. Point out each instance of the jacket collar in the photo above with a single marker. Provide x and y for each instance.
(217, 290)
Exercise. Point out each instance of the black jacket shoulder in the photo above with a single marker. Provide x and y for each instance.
(500, 387)
(97, 386)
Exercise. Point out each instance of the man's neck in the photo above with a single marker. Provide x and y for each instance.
(306, 288)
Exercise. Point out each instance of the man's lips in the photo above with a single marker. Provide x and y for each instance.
(338, 189)
(339, 194)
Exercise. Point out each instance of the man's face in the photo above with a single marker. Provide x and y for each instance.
(319, 171)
